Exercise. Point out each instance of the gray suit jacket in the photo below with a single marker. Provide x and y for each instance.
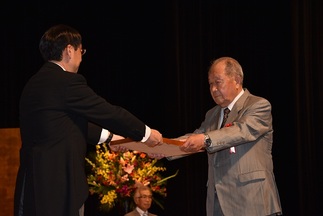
(136, 213)
(244, 181)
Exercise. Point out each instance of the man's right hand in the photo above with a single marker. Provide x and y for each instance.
(154, 139)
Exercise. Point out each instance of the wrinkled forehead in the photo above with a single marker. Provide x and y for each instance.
(218, 67)
(217, 73)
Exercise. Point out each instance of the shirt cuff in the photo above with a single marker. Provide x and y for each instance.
(104, 136)
(147, 134)
(105, 133)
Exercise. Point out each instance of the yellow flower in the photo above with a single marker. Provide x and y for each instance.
(109, 198)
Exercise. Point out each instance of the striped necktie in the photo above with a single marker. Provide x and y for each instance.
(226, 112)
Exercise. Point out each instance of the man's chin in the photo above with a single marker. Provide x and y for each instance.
(218, 100)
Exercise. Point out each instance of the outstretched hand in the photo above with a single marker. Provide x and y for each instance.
(193, 143)
(154, 139)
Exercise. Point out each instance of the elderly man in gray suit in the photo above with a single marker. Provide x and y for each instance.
(240, 174)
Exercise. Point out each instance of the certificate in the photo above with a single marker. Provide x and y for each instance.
(169, 147)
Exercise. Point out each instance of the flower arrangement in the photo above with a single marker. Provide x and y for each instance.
(114, 176)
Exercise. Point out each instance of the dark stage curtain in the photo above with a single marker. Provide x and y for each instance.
(307, 67)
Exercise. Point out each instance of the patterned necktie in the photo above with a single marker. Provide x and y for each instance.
(145, 214)
(225, 116)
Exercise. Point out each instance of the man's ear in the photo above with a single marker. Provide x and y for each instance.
(135, 199)
(69, 50)
(238, 80)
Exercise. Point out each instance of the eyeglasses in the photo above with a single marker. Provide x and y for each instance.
(83, 51)
(146, 197)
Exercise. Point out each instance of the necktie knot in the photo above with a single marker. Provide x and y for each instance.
(226, 112)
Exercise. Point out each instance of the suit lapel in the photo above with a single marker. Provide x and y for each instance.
(238, 106)
(216, 118)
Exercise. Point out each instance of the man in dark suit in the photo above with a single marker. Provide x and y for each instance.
(240, 174)
(59, 115)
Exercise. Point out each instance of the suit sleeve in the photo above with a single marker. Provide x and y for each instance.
(83, 101)
(93, 134)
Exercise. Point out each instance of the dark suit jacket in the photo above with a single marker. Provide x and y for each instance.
(244, 181)
(55, 109)
(136, 213)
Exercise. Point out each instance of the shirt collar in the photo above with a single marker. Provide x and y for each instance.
(59, 65)
(141, 212)
(235, 100)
